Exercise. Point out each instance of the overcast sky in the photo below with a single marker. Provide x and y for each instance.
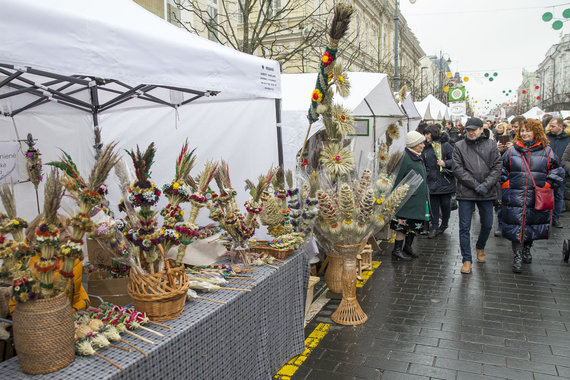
(487, 36)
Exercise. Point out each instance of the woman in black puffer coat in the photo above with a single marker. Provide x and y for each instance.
(437, 156)
(522, 224)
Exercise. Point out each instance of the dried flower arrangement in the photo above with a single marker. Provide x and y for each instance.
(223, 209)
(199, 198)
(275, 214)
(177, 193)
(87, 194)
(15, 253)
(143, 231)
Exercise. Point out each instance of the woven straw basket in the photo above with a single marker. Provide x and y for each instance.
(160, 295)
(261, 246)
(44, 334)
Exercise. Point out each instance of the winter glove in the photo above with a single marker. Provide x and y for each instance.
(481, 189)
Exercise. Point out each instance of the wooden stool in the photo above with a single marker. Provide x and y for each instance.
(313, 280)
(364, 260)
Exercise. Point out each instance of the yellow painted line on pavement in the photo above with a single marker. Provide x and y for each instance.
(367, 273)
(311, 342)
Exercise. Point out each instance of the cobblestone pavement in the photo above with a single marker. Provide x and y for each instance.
(429, 321)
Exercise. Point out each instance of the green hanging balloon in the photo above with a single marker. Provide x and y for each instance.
(510, 90)
(486, 75)
(566, 13)
(490, 79)
(503, 91)
(547, 16)
(557, 25)
(495, 74)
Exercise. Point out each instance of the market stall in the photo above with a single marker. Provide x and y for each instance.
(70, 67)
(413, 116)
(424, 110)
(438, 110)
(370, 101)
(79, 75)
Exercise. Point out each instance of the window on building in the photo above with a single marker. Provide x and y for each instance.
(240, 5)
(212, 19)
(273, 7)
(173, 11)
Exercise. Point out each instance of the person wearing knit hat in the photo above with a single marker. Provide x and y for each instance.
(410, 218)
(414, 138)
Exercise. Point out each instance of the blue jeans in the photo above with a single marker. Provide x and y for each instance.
(559, 200)
(466, 209)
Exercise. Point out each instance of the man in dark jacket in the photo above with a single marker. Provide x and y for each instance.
(453, 133)
(559, 138)
(477, 168)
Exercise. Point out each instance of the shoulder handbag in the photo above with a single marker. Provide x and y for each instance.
(543, 197)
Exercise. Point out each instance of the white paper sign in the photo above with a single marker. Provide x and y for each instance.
(8, 162)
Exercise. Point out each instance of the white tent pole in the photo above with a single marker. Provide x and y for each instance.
(279, 135)
(373, 133)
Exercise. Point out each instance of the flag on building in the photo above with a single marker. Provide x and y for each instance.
(457, 94)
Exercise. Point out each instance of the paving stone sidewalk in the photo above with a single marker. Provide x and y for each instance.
(429, 321)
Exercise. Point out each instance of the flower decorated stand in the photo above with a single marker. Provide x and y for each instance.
(349, 311)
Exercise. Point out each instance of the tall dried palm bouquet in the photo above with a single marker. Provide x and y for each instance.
(143, 194)
(350, 208)
(224, 210)
(88, 195)
(199, 198)
(177, 192)
(15, 252)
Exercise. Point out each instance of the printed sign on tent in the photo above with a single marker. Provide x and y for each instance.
(457, 109)
(8, 162)
(457, 94)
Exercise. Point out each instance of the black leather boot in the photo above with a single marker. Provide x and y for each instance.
(517, 260)
(566, 250)
(408, 246)
(397, 253)
(526, 255)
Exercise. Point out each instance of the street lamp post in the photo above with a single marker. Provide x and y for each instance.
(422, 81)
(441, 74)
(396, 71)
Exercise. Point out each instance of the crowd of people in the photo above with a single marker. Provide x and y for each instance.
(516, 170)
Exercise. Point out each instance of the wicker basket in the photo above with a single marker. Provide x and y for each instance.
(261, 246)
(160, 295)
(44, 334)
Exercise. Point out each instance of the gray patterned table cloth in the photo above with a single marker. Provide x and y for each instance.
(250, 337)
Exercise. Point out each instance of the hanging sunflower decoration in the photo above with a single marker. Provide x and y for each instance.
(342, 120)
(337, 160)
(340, 80)
(393, 131)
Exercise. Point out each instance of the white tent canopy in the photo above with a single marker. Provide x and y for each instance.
(120, 40)
(424, 110)
(413, 117)
(534, 113)
(437, 109)
(370, 101)
(69, 65)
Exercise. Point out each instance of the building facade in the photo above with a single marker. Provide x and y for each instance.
(553, 76)
(297, 33)
(528, 93)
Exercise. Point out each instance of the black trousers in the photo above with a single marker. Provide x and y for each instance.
(437, 202)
